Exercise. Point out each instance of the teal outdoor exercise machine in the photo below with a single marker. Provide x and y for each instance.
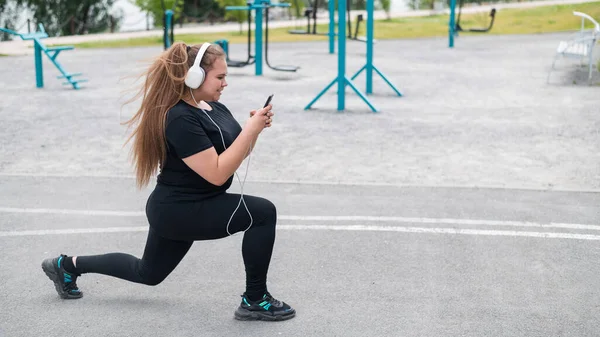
(40, 48)
(341, 79)
(311, 28)
(260, 8)
(168, 34)
(313, 12)
(454, 26)
(225, 45)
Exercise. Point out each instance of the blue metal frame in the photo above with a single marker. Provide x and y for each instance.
(258, 47)
(452, 24)
(258, 34)
(331, 33)
(51, 52)
(258, 7)
(369, 67)
(168, 29)
(341, 78)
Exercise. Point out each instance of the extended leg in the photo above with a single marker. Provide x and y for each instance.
(160, 258)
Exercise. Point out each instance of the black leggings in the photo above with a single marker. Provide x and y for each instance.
(173, 229)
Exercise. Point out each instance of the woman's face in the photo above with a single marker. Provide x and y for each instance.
(214, 83)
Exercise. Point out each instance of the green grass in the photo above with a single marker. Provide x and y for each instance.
(508, 21)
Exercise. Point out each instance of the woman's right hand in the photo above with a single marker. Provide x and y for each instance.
(258, 121)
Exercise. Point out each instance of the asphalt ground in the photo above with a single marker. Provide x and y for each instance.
(466, 207)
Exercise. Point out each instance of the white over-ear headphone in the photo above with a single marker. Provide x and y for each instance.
(196, 75)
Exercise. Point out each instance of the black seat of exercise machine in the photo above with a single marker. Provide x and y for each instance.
(307, 14)
(278, 68)
(286, 68)
(237, 64)
(359, 19)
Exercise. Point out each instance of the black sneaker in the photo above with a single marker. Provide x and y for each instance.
(265, 309)
(63, 282)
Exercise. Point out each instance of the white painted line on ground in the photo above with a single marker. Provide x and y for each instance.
(444, 231)
(325, 218)
(64, 175)
(70, 212)
(325, 228)
(445, 221)
(316, 182)
(42, 232)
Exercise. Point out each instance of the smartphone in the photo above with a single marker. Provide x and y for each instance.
(268, 100)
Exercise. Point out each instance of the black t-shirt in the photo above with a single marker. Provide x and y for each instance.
(189, 131)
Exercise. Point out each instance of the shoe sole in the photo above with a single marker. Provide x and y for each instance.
(50, 271)
(247, 315)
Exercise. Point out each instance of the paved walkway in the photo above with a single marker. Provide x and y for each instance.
(469, 207)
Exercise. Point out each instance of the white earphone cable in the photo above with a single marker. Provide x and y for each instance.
(237, 176)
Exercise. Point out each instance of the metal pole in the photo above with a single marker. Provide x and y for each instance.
(341, 54)
(369, 66)
(258, 37)
(451, 24)
(39, 71)
(331, 26)
(168, 28)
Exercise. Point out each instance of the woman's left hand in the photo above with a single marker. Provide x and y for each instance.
(269, 117)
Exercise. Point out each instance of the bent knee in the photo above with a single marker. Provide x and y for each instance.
(267, 212)
(153, 280)
(150, 278)
(270, 212)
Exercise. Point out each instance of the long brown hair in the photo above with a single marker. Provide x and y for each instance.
(163, 88)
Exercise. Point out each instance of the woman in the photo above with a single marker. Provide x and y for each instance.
(182, 130)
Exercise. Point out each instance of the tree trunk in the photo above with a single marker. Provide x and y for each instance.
(84, 19)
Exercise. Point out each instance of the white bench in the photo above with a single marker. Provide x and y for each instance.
(580, 45)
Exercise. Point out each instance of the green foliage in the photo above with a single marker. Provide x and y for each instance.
(184, 10)
(203, 10)
(9, 14)
(156, 8)
(69, 17)
(386, 6)
(357, 4)
(295, 9)
(234, 15)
